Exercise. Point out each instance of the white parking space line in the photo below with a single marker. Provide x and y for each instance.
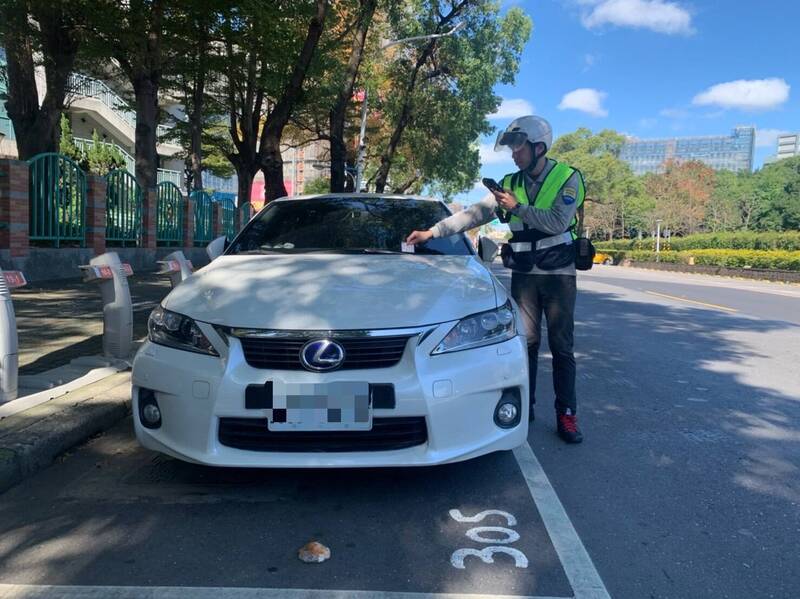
(24, 591)
(581, 573)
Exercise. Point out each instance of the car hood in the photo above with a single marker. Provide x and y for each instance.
(334, 291)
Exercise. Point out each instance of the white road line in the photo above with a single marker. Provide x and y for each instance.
(25, 591)
(581, 573)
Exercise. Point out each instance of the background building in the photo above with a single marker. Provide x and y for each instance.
(788, 145)
(721, 152)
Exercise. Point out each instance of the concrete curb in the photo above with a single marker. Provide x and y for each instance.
(33, 439)
(758, 274)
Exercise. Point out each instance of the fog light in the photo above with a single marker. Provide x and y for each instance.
(149, 412)
(506, 413)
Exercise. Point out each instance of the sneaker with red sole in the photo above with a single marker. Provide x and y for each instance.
(568, 428)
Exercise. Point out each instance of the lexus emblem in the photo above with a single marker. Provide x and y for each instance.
(322, 354)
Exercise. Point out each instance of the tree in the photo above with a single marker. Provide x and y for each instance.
(67, 145)
(338, 113)
(617, 199)
(132, 33)
(682, 194)
(264, 82)
(269, 151)
(724, 209)
(193, 71)
(101, 158)
(318, 185)
(433, 96)
(47, 34)
(776, 196)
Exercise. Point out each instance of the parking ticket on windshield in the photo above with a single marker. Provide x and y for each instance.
(407, 248)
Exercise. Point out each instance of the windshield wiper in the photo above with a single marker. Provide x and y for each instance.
(260, 251)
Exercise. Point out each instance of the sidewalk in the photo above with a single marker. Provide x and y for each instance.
(60, 326)
(62, 320)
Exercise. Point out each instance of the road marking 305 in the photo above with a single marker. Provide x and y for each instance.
(497, 544)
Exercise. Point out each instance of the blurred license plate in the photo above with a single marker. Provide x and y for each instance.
(319, 407)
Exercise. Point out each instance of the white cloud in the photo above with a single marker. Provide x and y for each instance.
(744, 94)
(589, 60)
(513, 108)
(768, 138)
(586, 100)
(489, 156)
(656, 15)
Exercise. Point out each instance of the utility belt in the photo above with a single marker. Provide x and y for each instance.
(547, 253)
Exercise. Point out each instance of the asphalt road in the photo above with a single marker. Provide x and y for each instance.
(687, 484)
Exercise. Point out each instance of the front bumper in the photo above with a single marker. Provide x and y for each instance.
(455, 393)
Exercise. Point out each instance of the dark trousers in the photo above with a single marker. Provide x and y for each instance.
(553, 295)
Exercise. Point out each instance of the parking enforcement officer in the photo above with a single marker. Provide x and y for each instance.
(540, 202)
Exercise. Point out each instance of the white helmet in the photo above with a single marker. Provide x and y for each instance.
(526, 128)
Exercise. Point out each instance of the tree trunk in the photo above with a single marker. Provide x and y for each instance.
(146, 91)
(196, 114)
(339, 111)
(272, 167)
(269, 153)
(196, 153)
(245, 185)
(37, 127)
(141, 62)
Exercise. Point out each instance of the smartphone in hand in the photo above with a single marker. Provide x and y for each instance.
(491, 184)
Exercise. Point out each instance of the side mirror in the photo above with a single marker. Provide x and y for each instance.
(487, 249)
(216, 247)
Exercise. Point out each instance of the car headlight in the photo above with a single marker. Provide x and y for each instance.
(178, 331)
(484, 328)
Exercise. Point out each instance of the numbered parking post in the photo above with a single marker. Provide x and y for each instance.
(111, 276)
(177, 267)
(9, 341)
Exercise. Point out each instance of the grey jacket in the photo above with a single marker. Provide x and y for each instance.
(555, 220)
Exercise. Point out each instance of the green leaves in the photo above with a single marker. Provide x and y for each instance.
(432, 97)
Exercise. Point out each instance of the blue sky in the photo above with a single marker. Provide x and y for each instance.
(655, 68)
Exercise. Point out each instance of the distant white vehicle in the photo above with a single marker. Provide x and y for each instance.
(318, 339)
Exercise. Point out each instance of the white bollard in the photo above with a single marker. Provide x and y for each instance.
(9, 341)
(176, 267)
(112, 277)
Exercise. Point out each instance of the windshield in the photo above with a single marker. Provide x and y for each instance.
(358, 225)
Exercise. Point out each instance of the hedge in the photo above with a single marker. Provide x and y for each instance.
(774, 259)
(743, 240)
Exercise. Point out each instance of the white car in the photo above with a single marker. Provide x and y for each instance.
(318, 339)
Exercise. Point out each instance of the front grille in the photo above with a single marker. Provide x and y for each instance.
(360, 352)
(252, 434)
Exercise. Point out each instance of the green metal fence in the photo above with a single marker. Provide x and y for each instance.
(228, 217)
(57, 187)
(203, 218)
(124, 200)
(169, 215)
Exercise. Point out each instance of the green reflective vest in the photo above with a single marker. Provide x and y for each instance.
(547, 194)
